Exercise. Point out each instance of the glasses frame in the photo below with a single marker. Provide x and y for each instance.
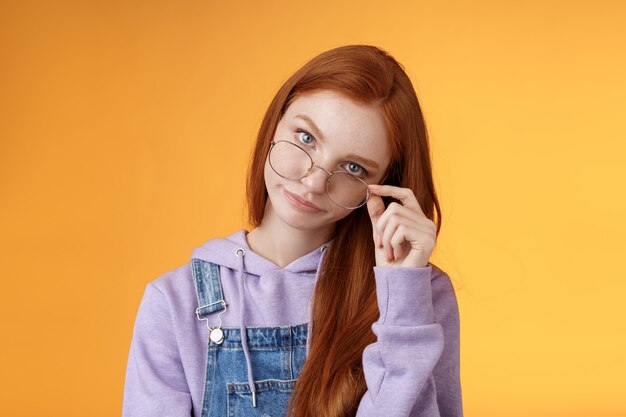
(330, 174)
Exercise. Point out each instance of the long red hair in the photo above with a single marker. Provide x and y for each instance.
(332, 382)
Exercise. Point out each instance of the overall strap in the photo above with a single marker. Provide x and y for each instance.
(206, 279)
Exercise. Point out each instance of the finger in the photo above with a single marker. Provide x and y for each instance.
(404, 195)
(418, 241)
(390, 229)
(399, 241)
(397, 210)
(398, 249)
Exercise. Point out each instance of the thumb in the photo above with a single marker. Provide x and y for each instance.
(375, 208)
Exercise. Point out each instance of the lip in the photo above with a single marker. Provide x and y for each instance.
(301, 203)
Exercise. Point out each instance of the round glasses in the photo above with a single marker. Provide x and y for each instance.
(292, 162)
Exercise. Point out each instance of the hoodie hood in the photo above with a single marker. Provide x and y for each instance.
(234, 253)
(218, 251)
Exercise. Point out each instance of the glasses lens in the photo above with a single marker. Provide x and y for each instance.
(289, 160)
(346, 190)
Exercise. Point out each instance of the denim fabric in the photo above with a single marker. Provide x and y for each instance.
(277, 355)
(208, 287)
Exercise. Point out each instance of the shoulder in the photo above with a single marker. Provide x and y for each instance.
(173, 290)
(173, 280)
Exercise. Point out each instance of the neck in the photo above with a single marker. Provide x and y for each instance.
(281, 243)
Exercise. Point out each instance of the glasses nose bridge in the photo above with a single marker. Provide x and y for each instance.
(320, 167)
(314, 164)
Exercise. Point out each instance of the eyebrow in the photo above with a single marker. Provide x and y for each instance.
(362, 160)
(311, 123)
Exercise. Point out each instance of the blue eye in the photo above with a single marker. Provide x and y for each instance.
(306, 140)
(356, 169)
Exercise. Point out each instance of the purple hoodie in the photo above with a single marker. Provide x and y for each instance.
(411, 370)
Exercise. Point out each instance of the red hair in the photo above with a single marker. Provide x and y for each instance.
(332, 382)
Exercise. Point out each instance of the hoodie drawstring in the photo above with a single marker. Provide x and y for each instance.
(309, 326)
(244, 341)
(244, 338)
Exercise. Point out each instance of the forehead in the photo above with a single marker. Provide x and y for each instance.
(346, 125)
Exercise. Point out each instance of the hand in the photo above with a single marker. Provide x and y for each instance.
(403, 235)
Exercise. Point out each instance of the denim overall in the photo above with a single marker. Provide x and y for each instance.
(275, 356)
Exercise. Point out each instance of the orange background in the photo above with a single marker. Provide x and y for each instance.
(126, 129)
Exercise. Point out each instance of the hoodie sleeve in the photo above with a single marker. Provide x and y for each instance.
(155, 381)
(413, 368)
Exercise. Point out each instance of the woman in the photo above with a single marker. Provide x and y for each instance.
(331, 254)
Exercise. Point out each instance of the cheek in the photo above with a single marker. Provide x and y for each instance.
(271, 179)
(267, 173)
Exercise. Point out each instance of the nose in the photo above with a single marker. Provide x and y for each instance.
(316, 180)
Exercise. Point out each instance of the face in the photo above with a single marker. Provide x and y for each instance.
(340, 135)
